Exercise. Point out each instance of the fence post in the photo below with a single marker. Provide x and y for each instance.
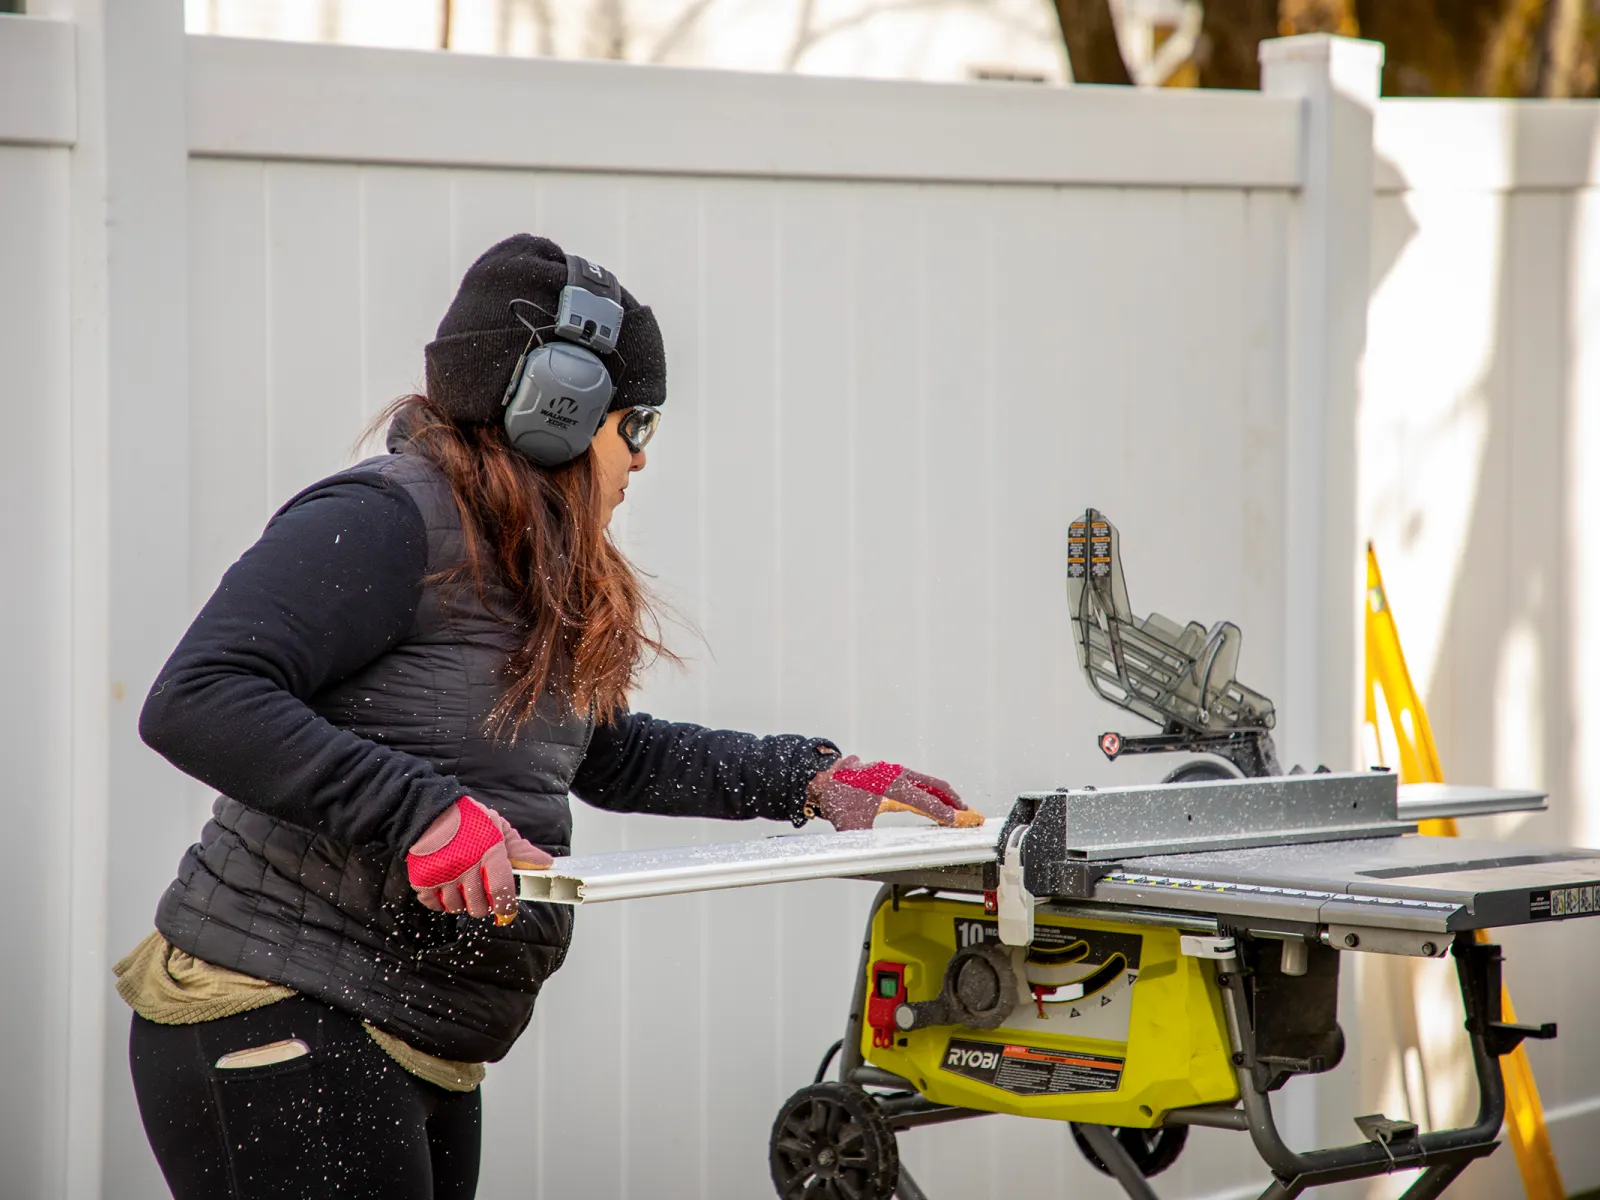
(129, 498)
(1337, 81)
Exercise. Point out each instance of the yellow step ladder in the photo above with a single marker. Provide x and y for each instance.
(1388, 678)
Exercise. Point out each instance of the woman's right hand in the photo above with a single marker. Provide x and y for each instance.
(463, 862)
(851, 794)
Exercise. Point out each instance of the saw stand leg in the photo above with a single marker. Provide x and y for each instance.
(1443, 1154)
(1117, 1160)
(903, 1108)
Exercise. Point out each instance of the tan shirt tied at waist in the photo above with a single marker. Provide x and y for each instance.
(165, 985)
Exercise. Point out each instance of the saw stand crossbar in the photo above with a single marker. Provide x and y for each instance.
(1391, 1145)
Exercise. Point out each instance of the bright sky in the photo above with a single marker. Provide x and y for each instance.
(938, 39)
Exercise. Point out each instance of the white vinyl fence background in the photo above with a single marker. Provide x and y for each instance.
(912, 331)
(1478, 439)
(35, 704)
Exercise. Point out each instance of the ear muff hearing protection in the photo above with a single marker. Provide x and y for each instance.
(560, 390)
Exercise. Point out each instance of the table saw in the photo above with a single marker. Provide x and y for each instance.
(1139, 960)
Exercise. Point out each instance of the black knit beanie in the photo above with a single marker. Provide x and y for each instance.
(470, 360)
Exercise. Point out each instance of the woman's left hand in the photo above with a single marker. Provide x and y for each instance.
(851, 794)
(464, 861)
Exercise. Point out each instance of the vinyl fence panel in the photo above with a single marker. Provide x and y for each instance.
(38, 123)
(1476, 465)
(36, 703)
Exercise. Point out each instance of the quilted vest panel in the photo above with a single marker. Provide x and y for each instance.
(339, 922)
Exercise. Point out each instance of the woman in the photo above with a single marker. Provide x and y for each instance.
(394, 690)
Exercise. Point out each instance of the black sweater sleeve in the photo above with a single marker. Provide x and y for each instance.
(333, 582)
(639, 764)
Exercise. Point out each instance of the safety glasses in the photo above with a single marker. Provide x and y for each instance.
(638, 426)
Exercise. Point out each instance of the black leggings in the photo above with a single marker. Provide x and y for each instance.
(344, 1122)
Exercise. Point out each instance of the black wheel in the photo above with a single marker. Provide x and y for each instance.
(1200, 770)
(831, 1143)
(1152, 1150)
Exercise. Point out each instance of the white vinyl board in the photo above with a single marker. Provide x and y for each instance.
(35, 646)
(38, 81)
(260, 99)
(642, 874)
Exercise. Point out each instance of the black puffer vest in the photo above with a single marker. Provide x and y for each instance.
(340, 922)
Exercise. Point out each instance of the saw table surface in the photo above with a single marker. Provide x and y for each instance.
(1404, 883)
(1413, 882)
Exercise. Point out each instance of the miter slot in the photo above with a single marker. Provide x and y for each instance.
(1493, 863)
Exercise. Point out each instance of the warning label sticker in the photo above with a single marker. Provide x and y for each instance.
(1100, 550)
(1024, 1071)
(1553, 903)
(1075, 551)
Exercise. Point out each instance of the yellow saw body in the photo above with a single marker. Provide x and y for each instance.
(1112, 1023)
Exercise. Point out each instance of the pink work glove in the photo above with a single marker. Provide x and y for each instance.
(463, 861)
(852, 794)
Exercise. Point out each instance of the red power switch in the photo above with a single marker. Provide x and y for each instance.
(888, 994)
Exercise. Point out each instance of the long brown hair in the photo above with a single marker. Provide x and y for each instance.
(591, 624)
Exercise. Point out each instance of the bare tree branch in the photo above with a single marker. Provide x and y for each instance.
(806, 37)
(687, 19)
(1090, 32)
(1176, 50)
(546, 27)
(608, 32)
(1512, 65)
(802, 36)
(1572, 49)
(538, 12)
